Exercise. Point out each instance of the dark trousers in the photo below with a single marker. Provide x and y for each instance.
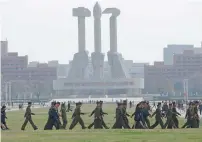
(139, 125)
(187, 124)
(64, 120)
(75, 121)
(119, 123)
(28, 119)
(169, 123)
(126, 122)
(97, 123)
(146, 121)
(4, 123)
(176, 122)
(103, 124)
(50, 123)
(198, 123)
(157, 122)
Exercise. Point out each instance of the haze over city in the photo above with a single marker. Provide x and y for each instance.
(45, 29)
(128, 62)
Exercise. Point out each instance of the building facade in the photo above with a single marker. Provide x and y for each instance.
(191, 63)
(33, 64)
(13, 65)
(4, 48)
(22, 79)
(64, 87)
(137, 70)
(173, 49)
(169, 78)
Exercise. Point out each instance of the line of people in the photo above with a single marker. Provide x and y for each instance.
(169, 112)
(141, 116)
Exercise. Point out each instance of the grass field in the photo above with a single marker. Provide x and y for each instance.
(15, 120)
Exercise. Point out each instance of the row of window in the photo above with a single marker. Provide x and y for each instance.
(173, 74)
(13, 66)
(189, 58)
(29, 76)
(189, 62)
(22, 71)
(97, 84)
(191, 68)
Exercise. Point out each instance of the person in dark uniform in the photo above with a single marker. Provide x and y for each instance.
(145, 112)
(28, 117)
(92, 124)
(138, 117)
(125, 114)
(57, 110)
(118, 107)
(57, 123)
(188, 116)
(3, 118)
(169, 122)
(64, 115)
(165, 109)
(69, 106)
(102, 115)
(53, 117)
(200, 108)
(77, 117)
(158, 118)
(119, 117)
(175, 114)
(48, 123)
(196, 115)
(97, 117)
(93, 112)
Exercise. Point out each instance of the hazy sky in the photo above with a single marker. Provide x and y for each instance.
(45, 29)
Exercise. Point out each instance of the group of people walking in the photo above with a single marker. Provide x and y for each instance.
(141, 116)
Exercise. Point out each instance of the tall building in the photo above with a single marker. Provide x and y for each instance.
(173, 49)
(191, 63)
(42, 72)
(62, 69)
(13, 65)
(4, 48)
(23, 79)
(169, 78)
(188, 60)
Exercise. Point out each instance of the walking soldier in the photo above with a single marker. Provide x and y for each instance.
(28, 117)
(77, 117)
(64, 115)
(158, 118)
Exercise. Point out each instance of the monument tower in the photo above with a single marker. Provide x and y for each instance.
(80, 60)
(97, 56)
(77, 83)
(115, 59)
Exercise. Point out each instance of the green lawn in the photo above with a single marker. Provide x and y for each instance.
(15, 120)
